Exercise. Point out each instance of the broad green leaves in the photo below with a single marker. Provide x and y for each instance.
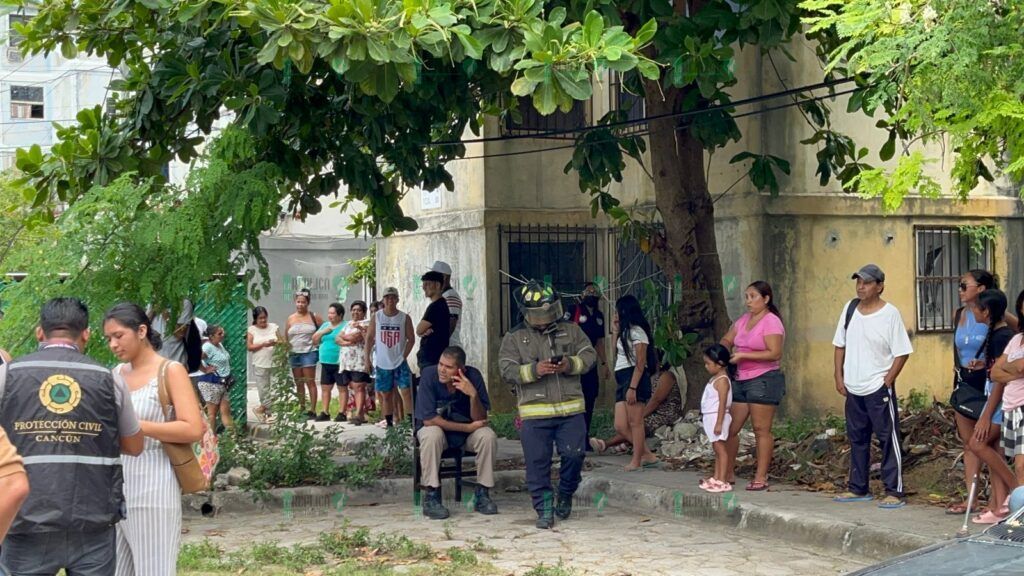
(558, 68)
(945, 70)
(345, 96)
(762, 170)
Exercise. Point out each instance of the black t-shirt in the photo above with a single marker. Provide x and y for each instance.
(433, 344)
(591, 324)
(998, 342)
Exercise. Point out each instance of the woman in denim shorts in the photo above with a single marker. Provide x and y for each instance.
(756, 341)
(303, 356)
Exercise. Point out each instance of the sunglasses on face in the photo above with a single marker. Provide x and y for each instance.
(964, 286)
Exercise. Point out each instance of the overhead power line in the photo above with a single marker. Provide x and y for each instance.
(646, 119)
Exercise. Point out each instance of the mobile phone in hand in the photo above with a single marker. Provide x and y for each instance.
(556, 359)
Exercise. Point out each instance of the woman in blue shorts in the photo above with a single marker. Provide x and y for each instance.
(303, 355)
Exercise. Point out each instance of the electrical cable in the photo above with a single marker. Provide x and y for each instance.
(647, 132)
(715, 108)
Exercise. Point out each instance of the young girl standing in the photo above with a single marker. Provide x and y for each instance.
(1009, 370)
(714, 407)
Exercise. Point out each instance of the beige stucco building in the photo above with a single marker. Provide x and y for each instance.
(520, 214)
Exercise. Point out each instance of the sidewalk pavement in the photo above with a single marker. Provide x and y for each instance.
(782, 511)
(351, 436)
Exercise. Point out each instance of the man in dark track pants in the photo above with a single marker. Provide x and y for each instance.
(871, 348)
(587, 315)
(542, 359)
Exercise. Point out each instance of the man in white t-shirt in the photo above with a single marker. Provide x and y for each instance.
(453, 300)
(871, 348)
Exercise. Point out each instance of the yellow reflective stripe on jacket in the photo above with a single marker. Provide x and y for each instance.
(545, 410)
(526, 373)
(575, 365)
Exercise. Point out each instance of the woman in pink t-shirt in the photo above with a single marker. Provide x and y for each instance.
(756, 340)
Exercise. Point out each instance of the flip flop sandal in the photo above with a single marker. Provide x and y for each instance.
(755, 486)
(987, 517)
(657, 464)
(717, 487)
(851, 497)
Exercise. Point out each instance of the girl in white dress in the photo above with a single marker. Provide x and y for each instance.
(714, 409)
(149, 537)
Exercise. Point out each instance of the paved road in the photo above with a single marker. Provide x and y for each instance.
(609, 542)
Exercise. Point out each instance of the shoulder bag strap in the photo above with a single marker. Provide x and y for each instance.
(956, 324)
(161, 389)
(850, 309)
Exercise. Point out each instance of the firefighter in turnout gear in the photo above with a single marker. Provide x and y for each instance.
(542, 359)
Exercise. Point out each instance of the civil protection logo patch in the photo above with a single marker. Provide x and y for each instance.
(60, 393)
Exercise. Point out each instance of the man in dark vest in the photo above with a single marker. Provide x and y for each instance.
(70, 422)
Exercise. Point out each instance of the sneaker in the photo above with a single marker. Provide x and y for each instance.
(310, 415)
(851, 497)
(356, 420)
(340, 417)
(563, 509)
(892, 502)
(484, 504)
(432, 506)
(323, 417)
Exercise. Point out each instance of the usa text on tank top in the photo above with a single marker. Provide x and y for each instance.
(389, 348)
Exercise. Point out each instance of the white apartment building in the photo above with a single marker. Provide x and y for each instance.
(38, 91)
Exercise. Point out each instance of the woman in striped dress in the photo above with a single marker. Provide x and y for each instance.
(149, 537)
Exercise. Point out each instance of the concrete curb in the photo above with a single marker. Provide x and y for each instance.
(846, 537)
(869, 541)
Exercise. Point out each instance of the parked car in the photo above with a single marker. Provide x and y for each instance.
(998, 551)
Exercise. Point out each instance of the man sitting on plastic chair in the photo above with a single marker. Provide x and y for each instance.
(451, 412)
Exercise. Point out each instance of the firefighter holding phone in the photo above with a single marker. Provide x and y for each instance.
(542, 359)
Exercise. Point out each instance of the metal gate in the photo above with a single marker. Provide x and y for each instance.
(233, 316)
(635, 271)
(564, 257)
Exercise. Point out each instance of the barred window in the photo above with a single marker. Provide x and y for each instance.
(14, 37)
(562, 256)
(944, 255)
(27, 102)
(530, 121)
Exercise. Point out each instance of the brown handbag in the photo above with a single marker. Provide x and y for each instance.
(182, 456)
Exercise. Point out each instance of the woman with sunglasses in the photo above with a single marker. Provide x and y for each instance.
(970, 338)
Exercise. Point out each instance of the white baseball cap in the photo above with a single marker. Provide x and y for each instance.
(441, 267)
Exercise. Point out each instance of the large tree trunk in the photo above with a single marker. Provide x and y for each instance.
(688, 249)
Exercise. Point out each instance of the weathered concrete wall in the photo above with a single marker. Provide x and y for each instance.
(459, 239)
(813, 245)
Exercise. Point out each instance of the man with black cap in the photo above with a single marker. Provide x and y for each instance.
(434, 328)
(871, 348)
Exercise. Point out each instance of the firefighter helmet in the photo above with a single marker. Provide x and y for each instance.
(540, 304)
